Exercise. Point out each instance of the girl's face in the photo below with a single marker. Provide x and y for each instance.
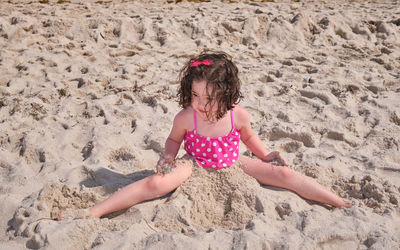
(202, 102)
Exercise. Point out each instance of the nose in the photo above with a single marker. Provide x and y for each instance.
(201, 102)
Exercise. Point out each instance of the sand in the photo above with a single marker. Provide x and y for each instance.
(88, 94)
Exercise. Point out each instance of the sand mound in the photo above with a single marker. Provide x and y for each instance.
(209, 199)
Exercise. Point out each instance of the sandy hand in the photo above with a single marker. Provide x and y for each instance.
(275, 158)
(165, 164)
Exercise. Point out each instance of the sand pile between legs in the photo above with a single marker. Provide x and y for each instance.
(223, 199)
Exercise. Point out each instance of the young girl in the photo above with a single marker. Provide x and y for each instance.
(211, 124)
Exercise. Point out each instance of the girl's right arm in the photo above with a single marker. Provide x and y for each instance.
(175, 138)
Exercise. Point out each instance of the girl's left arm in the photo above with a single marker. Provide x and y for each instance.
(252, 141)
(248, 137)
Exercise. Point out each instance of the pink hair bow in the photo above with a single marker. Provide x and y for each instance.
(197, 63)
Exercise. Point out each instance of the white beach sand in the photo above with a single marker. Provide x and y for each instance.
(88, 93)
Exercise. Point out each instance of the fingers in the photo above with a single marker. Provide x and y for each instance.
(276, 156)
(60, 216)
(165, 165)
(270, 157)
(159, 164)
(282, 161)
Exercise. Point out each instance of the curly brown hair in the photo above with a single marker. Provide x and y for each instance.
(221, 76)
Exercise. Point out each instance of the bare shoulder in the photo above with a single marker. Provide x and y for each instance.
(241, 116)
(184, 118)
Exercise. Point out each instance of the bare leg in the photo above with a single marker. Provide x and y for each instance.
(285, 177)
(148, 188)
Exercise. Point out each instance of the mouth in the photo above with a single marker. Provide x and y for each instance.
(202, 111)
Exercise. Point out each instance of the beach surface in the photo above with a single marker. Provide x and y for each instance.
(88, 93)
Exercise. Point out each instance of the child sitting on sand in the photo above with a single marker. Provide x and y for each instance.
(211, 124)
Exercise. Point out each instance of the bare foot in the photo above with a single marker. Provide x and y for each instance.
(345, 204)
(81, 213)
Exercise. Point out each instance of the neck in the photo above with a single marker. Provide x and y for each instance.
(208, 121)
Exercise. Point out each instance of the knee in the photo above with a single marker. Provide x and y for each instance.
(188, 171)
(285, 174)
(185, 167)
(158, 183)
(154, 183)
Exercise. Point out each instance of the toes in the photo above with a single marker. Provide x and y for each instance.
(60, 216)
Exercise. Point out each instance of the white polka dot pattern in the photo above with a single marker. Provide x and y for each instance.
(209, 152)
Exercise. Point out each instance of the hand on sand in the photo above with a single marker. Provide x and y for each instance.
(72, 214)
(165, 164)
(276, 159)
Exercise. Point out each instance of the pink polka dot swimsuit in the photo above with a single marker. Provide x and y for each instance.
(213, 152)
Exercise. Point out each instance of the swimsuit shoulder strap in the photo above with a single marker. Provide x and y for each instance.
(233, 122)
(195, 120)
